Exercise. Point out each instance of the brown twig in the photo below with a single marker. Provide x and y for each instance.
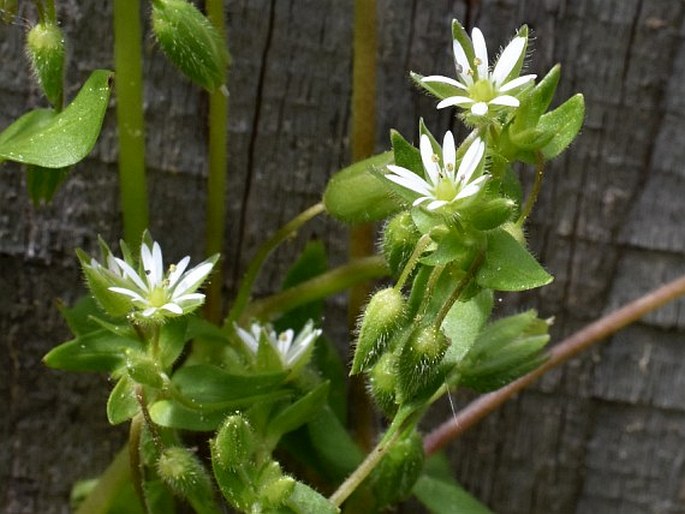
(562, 352)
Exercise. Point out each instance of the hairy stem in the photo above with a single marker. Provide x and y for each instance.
(535, 192)
(134, 437)
(218, 169)
(562, 352)
(470, 273)
(421, 245)
(286, 231)
(131, 130)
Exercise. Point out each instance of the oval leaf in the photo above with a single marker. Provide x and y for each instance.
(50, 140)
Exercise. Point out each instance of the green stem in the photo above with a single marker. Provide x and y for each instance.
(413, 260)
(402, 420)
(131, 129)
(326, 284)
(50, 13)
(218, 169)
(537, 185)
(134, 437)
(286, 231)
(108, 486)
(470, 273)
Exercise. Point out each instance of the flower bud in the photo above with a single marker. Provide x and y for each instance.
(99, 280)
(382, 383)
(144, 370)
(275, 487)
(490, 214)
(399, 470)
(399, 239)
(234, 442)
(419, 360)
(183, 473)
(45, 48)
(190, 41)
(384, 313)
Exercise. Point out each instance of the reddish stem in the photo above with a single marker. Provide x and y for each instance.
(559, 354)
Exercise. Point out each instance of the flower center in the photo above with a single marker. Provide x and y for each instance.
(445, 190)
(482, 91)
(158, 296)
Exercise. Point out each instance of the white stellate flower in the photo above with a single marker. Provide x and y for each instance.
(290, 349)
(158, 294)
(445, 184)
(477, 87)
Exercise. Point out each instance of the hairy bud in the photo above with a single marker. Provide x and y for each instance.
(399, 239)
(183, 473)
(234, 443)
(45, 48)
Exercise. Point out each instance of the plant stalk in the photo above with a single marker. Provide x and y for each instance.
(535, 192)
(117, 474)
(131, 129)
(218, 170)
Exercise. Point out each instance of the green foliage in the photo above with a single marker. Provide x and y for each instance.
(122, 403)
(442, 497)
(49, 139)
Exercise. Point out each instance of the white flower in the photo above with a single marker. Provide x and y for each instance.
(157, 294)
(478, 88)
(291, 350)
(445, 184)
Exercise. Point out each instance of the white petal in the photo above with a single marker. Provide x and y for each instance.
(192, 279)
(481, 51)
(172, 307)
(126, 292)
(247, 338)
(517, 82)
(149, 311)
(152, 263)
(454, 100)
(462, 63)
(472, 188)
(449, 154)
(131, 273)
(508, 59)
(419, 201)
(285, 339)
(410, 181)
(428, 156)
(479, 109)
(444, 80)
(471, 160)
(507, 100)
(189, 297)
(435, 204)
(179, 268)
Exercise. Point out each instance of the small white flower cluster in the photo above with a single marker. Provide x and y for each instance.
(447, 185)
(153, 294)
(291, 350)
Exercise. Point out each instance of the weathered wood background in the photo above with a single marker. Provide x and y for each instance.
(606, 434)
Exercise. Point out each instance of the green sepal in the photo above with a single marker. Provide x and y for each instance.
(212, 388)
(122, 403)
(508, 266)
(298, 413)
(99, 351)
(50, 140)
(398, 471)
(461, 36)
(234, 444)
(418, 362)
(191, 42)
(438, 89)
(356, 195)
(398, 241)
(405, 154)
(505, 350)
(382, 380)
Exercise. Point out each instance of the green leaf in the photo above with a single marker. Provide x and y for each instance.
(213, 388)
(172, 339)
(44, 138)
(42, 183)
(331, 367)
(300, 412)
(99, 350)
(168, 413)
(122, 403)
(305, 500)
(442, 497)
(564, 122)
(356, 195)
(463, 323)
(337, 452)
(509, 266)
(79, 317)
